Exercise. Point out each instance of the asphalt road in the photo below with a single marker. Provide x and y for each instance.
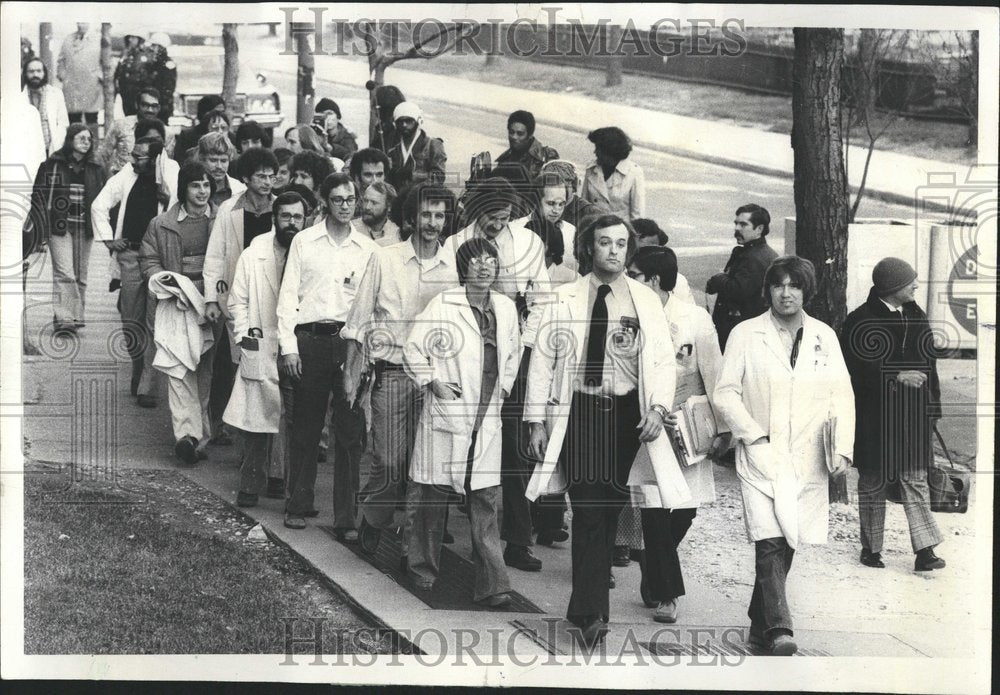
(693, 201)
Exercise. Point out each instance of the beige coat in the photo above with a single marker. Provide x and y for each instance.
(446, 344)
(697, 372)
(784, 481)
(255, 404)
(559, 348)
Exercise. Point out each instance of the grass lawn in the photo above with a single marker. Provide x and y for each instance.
(162, 566)
(942, 141)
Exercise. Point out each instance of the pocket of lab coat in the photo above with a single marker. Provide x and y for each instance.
(759, 461)
(445, 415)
(251, 365)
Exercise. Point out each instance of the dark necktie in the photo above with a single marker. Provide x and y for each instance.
(593, 368)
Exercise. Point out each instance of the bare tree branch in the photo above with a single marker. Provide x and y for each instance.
(416, 50)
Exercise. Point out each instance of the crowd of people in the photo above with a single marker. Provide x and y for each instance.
(522, 348)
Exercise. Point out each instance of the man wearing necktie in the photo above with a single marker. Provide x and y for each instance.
(598, 384)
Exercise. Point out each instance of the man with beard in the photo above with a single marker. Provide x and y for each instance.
(374, 221)
(739, 287)
(524, 148)
(397, 285)
(317, 293)
(415, 157)
(122, 133)
(176, 242)
(255, 406)
(142, 194)
(48, 100)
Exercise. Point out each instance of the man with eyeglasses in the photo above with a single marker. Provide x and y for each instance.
(260, 397)
(143, 190)
(117, 144)
(522, 276)
(397, 285)
(238, 221)
(317, 293)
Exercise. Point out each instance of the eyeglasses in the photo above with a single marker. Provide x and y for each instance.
(288, 217)
(264, 177)
(484, 261)
(339, 202)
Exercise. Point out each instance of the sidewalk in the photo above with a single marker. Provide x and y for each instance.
(77, 409)
(893, 177)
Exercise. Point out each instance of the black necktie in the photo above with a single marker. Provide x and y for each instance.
(593, 368)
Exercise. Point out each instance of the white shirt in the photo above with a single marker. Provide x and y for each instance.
(321, 280)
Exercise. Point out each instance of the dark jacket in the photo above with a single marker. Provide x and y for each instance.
(579, 212)
(740, 289)
(342, 143)
(893, 421)
(532, 158)
(426, 162)
(50, 195)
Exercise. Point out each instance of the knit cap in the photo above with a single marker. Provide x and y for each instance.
(892, 274)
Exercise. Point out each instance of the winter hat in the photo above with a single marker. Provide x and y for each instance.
(892, 274)
(407, 109)
(325, 104)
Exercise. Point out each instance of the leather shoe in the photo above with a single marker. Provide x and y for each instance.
(783, 645)
(146, 401)
(666, 612)
(621, 557)
(294, 521)
(591, 632)
(495, 601)
(926, 560)
(368, 537)
(246, 499)
(520, 557)
(186, 449)
(551, 536)
(275, 488)
(870, 559)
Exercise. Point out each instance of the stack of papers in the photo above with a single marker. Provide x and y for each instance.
(696, 429)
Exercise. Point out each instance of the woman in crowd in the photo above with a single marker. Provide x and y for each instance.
(698, 360)
(464, 348)
(612, 180)
(65, 187)
(342, 142)
(783, 390)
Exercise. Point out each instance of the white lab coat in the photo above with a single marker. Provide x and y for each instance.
(181, 332)
(116, 191)
(58, 117)
(784, 482)
(697, 373)
(446, 344)
(559, 349)
(225, 245)
(255, 404)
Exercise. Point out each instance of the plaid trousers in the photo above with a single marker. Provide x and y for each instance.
(924, 532)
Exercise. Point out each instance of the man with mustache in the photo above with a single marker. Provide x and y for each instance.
(739, 286)
(48, 100)
(255, 406)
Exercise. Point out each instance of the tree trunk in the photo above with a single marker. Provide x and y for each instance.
(613, 78)
(305, 91)
(231, 66)
(45, 48)
(972, 100)
(107, 77)
(820, 181)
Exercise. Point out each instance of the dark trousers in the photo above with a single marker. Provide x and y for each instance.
(768, 606)
(322, 358)
(515, 465)
(253, 470)
(223, 377)
(600, 445)
(662, 531)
